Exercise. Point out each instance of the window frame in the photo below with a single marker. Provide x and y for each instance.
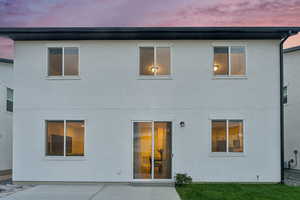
(227, 153)
(8, 111)
(154, 45)
(65, 157)
(63, 76)
(229, 45)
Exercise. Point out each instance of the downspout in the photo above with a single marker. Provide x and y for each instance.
(281, 71)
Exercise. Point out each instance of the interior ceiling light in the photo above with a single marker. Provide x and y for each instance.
(154, 69)
(216, 67)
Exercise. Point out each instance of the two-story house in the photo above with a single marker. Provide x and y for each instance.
(142, 104)
(6, 117)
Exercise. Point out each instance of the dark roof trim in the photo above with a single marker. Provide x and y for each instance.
(292, 49)
(147, 33)
(4, 60)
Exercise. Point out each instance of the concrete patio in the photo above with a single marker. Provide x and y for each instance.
(96, 192)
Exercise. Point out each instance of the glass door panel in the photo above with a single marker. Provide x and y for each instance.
(152, 150)
(142, 134)
(162, 150)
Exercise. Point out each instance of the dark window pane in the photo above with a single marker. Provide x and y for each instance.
(221, 61)
(55, 138)
(236, 136)
(71, 60)
(285, 95)
(238, 61)
(9, 106)
(75, 138)
(219, 136)
(9, 99)
(163, 59)
(147, 61)
(54, 61)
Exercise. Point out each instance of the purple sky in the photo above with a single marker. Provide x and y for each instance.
(27, 13)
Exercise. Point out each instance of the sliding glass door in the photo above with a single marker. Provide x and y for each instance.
(152, 150)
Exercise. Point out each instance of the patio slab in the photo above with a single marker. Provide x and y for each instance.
(96, 192)
(57, 192)
(128, 192)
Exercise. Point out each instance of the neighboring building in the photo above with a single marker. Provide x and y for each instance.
(6, 117)
(142, 104)
(292, 106)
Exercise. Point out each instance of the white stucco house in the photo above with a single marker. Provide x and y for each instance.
(292, 107)
(6, 116)
(142, 104)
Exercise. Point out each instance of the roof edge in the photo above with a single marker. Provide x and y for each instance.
(5, 60)
(145, 33)
(291, 49)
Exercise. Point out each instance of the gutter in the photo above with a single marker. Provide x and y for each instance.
(281, 71)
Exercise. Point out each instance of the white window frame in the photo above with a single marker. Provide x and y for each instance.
(152, 121)
(227, 153)
(155, 45)
(229, 45)
(63, 76)
(64, 157)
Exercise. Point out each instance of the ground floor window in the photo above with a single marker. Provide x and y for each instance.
(65, 137)
(227, 135)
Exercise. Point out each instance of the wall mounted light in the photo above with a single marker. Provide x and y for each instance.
(182, 124)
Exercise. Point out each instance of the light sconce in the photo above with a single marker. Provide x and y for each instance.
(182, 124)
(216, 67)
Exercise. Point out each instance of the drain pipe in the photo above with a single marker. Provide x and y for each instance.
(281, 71)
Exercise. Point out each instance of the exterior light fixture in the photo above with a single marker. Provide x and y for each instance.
(216, 67)
(182, 124)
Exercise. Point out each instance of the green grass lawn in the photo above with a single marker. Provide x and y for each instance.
(238, 192)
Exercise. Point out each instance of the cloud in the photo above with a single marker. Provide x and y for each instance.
(51, 13)
(234, 13)
(6, 48)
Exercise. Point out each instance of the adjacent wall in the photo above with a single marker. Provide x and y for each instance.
(292, 109)
(109, 95)
(6, 80)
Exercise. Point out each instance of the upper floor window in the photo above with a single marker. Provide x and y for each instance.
(63, 61)
(155, 61)
(65, 137)
(229, 61)
(9, 99)
(227, 136)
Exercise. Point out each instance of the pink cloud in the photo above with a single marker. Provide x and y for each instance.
(6, 48)
(53, 13)
(233, 13)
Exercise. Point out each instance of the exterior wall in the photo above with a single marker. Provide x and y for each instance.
(6, 80)
(109, 95)
(292, 109)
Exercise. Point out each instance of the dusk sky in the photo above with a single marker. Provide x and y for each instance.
(98, 13)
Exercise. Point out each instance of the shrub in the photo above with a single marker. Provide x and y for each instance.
(182, 179)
